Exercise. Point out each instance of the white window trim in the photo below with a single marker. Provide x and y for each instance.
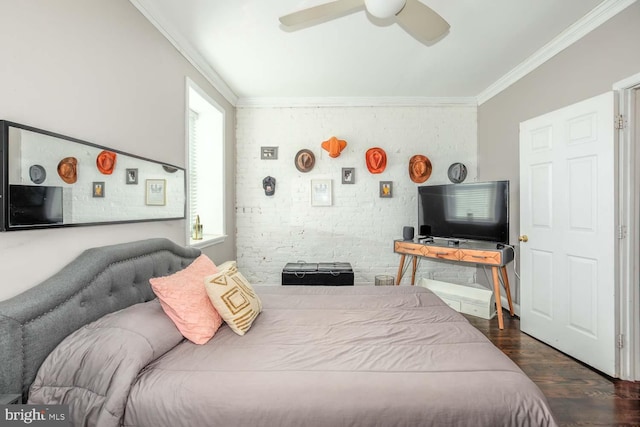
(207, 239)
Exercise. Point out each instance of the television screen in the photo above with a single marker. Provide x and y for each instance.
(475, 211)
(34, 205)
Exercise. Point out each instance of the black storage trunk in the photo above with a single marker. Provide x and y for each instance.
(318, 274)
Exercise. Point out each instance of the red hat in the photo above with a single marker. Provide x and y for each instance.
(376, 160)
(334, 146)
(106, 161)
(419, 168)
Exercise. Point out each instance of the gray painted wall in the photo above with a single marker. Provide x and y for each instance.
(98, 71)
(587, 68)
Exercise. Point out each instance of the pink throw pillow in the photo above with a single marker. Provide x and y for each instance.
(184, 299)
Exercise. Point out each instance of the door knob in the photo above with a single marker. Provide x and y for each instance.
(524, 238)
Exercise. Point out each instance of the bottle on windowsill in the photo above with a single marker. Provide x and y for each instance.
(196, 233)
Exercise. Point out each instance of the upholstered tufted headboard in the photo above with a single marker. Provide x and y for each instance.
(100, 281)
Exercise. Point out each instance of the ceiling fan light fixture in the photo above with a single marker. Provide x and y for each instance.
(384, 9)
(415, 17)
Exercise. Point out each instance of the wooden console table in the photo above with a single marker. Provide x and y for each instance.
(473, 253)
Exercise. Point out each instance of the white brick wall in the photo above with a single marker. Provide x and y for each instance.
(360, 226)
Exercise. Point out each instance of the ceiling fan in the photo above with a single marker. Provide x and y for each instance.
(416, 18)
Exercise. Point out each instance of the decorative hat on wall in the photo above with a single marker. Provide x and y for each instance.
(169, 169)
(68, 169)
(305, 160)
(37, 174)
(376, 160)
(334, 146)
(419, 168)
(457, 172)
(106, 161)
(269, 185)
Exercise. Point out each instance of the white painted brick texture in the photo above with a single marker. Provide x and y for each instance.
(79, 205)
(360, 226)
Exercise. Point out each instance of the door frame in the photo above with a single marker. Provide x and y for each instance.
(629, 228)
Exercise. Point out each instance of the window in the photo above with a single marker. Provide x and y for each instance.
(205, 167)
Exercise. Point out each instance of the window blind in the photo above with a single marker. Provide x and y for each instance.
(193, 166)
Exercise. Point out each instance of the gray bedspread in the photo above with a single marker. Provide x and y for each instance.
(317, 356)
(93, 369)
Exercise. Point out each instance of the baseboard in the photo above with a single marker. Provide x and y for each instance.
(505, 304)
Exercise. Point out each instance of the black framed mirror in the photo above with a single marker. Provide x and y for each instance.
(51, 180)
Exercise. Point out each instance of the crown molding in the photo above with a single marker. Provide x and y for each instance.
(592, 20)
(315, 102)
(575, 32)
(628, 83)
(184, 47)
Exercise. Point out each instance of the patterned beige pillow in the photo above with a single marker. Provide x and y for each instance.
(233, 297)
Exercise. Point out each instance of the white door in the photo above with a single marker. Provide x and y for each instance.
(567, 211)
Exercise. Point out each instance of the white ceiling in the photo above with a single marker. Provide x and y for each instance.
(243, 49)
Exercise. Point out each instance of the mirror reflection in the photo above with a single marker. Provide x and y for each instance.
(50, 180)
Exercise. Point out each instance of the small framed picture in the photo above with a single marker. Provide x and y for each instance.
(156, 192)
(269, 153)
(386, 189)
(132, 176)
(98, 189)
(348, 176)
(320, 192)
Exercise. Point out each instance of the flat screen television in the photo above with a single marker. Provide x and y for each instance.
(475, 211)
(32, 205)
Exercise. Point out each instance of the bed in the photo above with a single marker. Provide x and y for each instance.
(94, 335)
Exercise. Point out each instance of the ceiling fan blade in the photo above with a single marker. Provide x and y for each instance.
(330, 10)
(422, 21)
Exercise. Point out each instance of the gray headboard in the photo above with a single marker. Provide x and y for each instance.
(99, 281)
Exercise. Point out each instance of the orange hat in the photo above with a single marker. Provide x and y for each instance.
(67, 169)
(106, 161)
(419, 168)
(334, 146)
(376, 160)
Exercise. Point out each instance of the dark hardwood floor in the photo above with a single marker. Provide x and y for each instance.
(578, 395)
